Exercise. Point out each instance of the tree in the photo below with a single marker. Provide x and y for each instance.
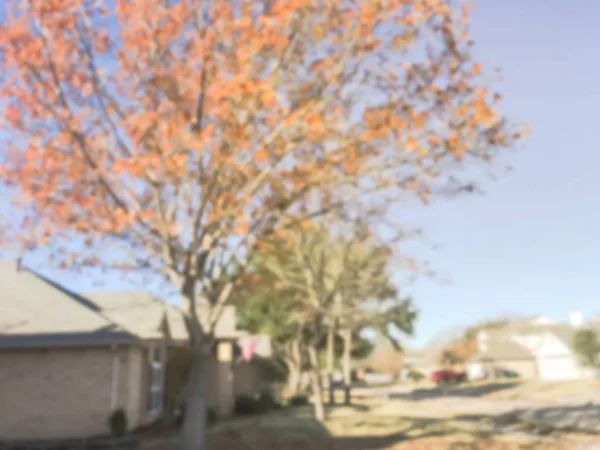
(449, 357)
(586, 343)
(308, 266)
(329, 286)
(265, 309)
(169, 137)
(459, 351)
(368, 297)
(487, 325)
(262, 308)
(462, 349)
(385, 358)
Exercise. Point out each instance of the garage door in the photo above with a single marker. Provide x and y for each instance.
(557, 368)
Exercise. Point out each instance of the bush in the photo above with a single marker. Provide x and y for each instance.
(212, 416)
(247, 404)
(118, 423)
(298, 400)
(266, 401)
(255, 404)
(415, 375)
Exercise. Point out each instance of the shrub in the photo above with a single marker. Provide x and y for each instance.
(118, 423)
(212, 416)
(266, 401)
(298, 400)
(246, 405)
(415, 375)
(255, 404)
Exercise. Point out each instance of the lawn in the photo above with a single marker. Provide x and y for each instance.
(373, 426)
(550, 390)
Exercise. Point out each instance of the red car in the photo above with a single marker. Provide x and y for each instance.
(447, 377)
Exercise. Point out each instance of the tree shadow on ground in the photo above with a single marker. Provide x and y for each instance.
(583, 419)
(296, 429)
(365, 433)
(455, 391)
(356, 407)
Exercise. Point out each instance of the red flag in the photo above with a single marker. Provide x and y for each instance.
(248, 348)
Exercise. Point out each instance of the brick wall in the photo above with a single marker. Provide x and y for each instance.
(59, 393)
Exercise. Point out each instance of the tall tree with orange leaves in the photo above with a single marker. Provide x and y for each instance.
(171, 136)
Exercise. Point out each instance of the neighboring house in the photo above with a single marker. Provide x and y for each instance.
(535, 347)
(499, 356)
(68, 361)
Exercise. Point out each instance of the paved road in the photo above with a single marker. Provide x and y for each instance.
(579, 412)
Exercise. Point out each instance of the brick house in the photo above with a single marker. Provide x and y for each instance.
(67, 361)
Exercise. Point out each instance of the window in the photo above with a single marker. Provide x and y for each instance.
(155, 393)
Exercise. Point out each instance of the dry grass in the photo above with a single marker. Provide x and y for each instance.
(548, 390)
(366, 426)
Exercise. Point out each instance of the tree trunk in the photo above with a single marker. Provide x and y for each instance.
(294, 378)
(293, 361)
(193, 432)
(317, 385)
(330, 362)
(347, 369)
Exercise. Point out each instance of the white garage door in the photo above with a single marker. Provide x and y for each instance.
(557, 368)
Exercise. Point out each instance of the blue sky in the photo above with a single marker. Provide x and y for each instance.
(529, 245)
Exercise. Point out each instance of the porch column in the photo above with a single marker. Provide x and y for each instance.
(225, 377)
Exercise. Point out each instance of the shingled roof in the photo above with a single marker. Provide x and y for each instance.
(35, 311)
(502, 350)
(143, 315)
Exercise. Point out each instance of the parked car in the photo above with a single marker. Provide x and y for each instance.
(447, 377)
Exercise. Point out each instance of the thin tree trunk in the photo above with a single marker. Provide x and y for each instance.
(347, 334)
(347, 369)
(194, 421)
(317, 385)
(330, 362)
(330, 349)
(293, 384)
(293, 361)
(294, 376)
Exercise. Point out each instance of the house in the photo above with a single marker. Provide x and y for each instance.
(534, 347)
(499, 356)
(161, 325)
(68, 361)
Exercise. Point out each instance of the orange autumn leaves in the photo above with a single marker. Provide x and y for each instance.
(171, 126)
